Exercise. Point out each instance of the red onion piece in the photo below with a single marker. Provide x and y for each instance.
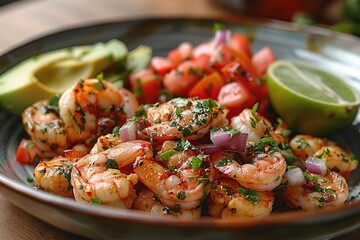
(223, 139)
(222, 36)
(295, 176)
(316, 165)
(128, 131)
(209, 148)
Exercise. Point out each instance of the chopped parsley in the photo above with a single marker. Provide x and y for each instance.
(165, 155)
(96, 201)
(111, 163)
(67, 172)
(30, 180)
(116, 131)
(302, 144)
(181, 195)
(223, 162)
(197, 161)
(231, 131)
(218, 26)
(184, 145)
(53, 104)
(100, 84)
(138, 88)
(254, 119)
(249, 194)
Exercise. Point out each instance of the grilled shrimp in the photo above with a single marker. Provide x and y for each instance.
(45, 129)
(337, 159)
(188, 118)
(105, 142)
(178, 175)
(96, 178)
(89, 109)
(147, 201)
(54, 176)
(263, 173)
(305, 145)
(229, 200)
(256, 126)
(318, 192)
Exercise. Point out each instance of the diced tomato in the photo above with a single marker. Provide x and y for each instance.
(146, 86)
(26, 151)
(240, 43)
(236, 97)
(179, 83)
(204, 48)
(181, 53)
(225, 54)
(161, 65)
(238, 72)
(208, 87)
(262, 59)
(175, 57)
(203, 61)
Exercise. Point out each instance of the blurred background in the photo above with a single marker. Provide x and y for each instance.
(339, 15)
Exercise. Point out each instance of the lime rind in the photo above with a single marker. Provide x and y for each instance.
(308, 107)
(320, 86)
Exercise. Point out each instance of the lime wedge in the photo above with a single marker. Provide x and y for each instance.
(309, 99)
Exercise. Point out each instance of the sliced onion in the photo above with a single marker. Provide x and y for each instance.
(316, 165)
(223, 139)
(128, 131)
(209, 148)
(222, 36)
(295, 176)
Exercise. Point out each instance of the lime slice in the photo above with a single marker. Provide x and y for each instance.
(310, 99)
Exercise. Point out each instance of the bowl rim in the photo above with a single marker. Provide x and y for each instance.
(141, 217)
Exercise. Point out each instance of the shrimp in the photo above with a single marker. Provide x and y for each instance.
(106, 141)
(89, 109)
(54, 176)
(45, 129)
(188, 118)
(256, 126)
(305, 145)
(96, 178)
(178, 175)
(264, 173)
(146, 201)
(319, 192)
(337, 159)
(229, 200)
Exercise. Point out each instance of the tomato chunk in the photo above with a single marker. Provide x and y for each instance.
(208, 87)
(181, 53)
(241, 43)
(236, 97)
(180, 81)
(262, 59)
(161, 65)
(146, 86)
(26, 151)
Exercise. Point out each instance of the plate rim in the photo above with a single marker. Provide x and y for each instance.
(137, 216)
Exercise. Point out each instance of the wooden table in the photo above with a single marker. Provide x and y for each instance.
(26, 20)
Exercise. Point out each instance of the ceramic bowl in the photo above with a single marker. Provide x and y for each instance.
(336, 52)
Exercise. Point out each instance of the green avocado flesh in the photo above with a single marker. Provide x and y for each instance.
(53, 72)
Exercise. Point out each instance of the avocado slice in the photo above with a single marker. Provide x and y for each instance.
(53, 72)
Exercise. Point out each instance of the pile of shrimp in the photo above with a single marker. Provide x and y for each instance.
(162, 169)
